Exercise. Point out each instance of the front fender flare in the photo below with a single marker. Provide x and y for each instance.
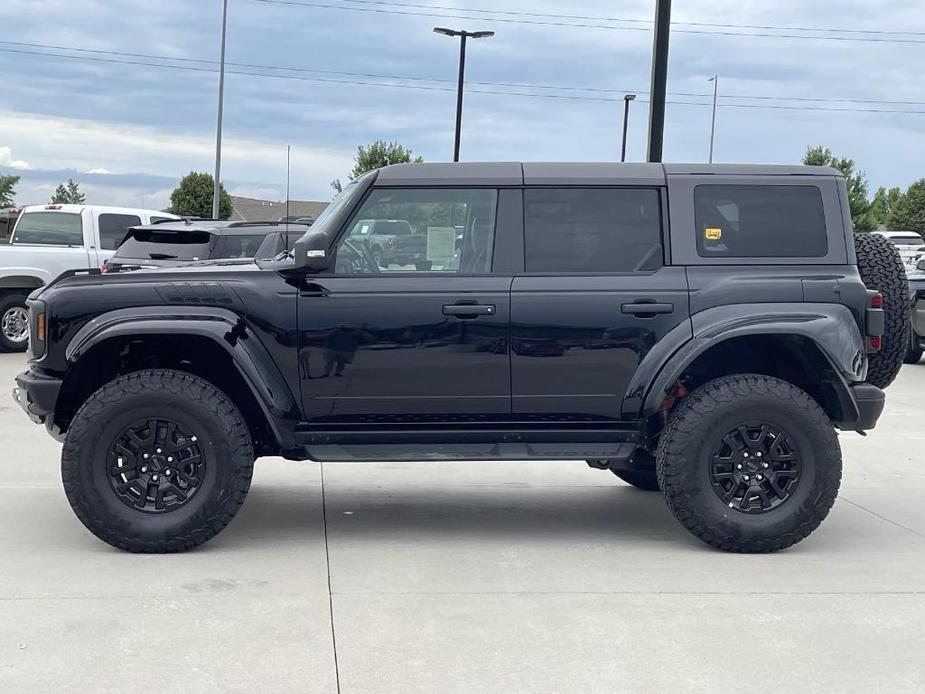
(831, 327)
(225, 328)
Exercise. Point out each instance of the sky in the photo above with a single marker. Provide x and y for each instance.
(122, 94)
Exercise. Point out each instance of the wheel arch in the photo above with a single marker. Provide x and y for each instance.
(214, 344)
(817, 347)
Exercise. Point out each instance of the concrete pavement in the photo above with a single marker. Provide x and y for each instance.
(467, 577)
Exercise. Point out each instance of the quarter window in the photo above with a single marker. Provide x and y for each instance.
(49, 229)
(598, 230)
(421, 230)
(755, 221)
(114, 227)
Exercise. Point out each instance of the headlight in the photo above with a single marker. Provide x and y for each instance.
(37, 328)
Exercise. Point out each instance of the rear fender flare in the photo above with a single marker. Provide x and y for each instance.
(832, 327)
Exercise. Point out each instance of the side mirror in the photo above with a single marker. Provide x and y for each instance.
(311, 251)
(921, 264)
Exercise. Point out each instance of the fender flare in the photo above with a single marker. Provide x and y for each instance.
(43, 277)
(223, 327)
(831, 327)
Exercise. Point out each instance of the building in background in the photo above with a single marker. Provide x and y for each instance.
(254, 210)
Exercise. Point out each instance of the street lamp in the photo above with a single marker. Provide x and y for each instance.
(463, 35)
(218, 131)
(715, 80)
(626, 114)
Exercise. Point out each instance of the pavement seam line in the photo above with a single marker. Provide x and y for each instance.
(327, 561)
(884, 518)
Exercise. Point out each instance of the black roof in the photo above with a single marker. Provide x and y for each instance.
(223, 228)
(572, 173)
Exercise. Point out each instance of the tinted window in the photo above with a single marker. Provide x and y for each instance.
(419, 229)
(50, 229)
(113, 228)
(234, 246)
(751, 221)
(144, 244)
(592, 230)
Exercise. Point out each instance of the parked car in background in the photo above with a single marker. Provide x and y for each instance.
(8, 217)
(917, 294)
(392, 242)
(297, 219)
(48, 240)
(172, 243)
(908, 242)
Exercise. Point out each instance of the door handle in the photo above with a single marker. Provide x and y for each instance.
(467, 311)
(642, 308)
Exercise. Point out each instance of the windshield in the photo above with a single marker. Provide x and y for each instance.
(345, 199)
(143, 244)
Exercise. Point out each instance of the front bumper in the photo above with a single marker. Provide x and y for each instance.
(36, 393)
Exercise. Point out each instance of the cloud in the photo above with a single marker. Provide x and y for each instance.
(6, 159)
(101, 171)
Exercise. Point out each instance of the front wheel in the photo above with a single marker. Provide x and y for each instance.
(14, 323)
(749, 463)
(157, 461)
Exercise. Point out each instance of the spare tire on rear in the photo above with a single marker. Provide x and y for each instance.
(882, 269)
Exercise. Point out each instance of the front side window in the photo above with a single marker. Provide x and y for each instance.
(114, 227)
(597, 230)
(760, 221)
(49, 229)
(421, 230)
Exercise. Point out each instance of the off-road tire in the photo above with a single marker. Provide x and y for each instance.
(7, 302)
(882, 269)
(685, 453)
(193, 402)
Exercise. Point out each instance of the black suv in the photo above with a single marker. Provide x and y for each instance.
(703, 330)
(174, 243)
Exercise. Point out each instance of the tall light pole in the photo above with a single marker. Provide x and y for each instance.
(659, 79)
(626, 116)
(463, 35)
(715, 80)
(218, 133)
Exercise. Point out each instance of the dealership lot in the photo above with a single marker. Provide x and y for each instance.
(467, 577)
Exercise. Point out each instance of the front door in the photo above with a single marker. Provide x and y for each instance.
(594, 299)
(413, 344)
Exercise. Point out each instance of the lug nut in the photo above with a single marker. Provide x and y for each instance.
(144, 468)
(169, 459)
(167, 472)
(154, 477)
(764, 465)
(759, 477)
(193, 439)
(745, 477)
(158, 450)
(739, 466)
(745, 455)
(144, 455)
(758, 454)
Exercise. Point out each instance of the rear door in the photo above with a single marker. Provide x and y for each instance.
(111, 228)
(595, 297)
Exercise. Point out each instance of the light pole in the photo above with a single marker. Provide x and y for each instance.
(218, 133)
(626, 116)
(659, 79)
(715, 80)
(463, 35)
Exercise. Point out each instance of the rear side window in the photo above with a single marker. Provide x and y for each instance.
(233, 246)
(144, 244)
(755, 221)
(49, 229)
(114, 227)
(575, 230)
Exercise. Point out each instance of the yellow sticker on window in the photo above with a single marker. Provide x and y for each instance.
(712, 233)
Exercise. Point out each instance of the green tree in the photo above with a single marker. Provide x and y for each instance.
(8, 190)
(883, 204)
(193, 197)
(375, 156)
(855, 180)
(909, 213)
(68, 194)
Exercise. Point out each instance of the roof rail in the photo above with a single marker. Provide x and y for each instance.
(188, 220)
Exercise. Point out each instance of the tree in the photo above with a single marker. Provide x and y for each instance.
(855, 180)
(193, 197)
(909, 213)
(883, 204)
(68, 194)
(377, 155)
(8, 190)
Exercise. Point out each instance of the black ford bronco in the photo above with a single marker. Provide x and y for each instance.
(699, 329)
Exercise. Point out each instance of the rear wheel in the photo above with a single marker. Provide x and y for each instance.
(157, 461)
(749, 463)
(14, 323)
(882, 269)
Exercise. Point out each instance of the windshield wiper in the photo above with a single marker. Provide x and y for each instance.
(162, 256)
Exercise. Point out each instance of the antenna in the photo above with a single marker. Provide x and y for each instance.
(286, 233)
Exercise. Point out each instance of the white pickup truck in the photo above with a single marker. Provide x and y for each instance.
(46, 241)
